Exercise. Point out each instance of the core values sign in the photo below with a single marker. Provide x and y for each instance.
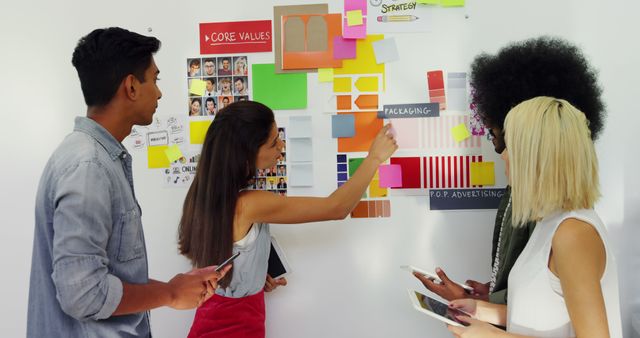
(235, 37)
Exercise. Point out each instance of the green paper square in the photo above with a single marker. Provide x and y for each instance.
(279, 91)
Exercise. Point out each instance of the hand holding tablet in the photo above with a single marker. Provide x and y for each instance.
(436, 309)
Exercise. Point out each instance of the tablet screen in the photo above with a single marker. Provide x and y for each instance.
(439, 308)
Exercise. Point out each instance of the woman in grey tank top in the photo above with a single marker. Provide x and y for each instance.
(221, 217)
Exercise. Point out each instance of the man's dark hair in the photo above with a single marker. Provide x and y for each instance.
(210, 99)
(239, 79)
(106, 56)
(537, 67)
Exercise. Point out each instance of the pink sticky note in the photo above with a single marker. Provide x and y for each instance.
(390, 176)
(354, 5)
(344, 48)
(354, 32)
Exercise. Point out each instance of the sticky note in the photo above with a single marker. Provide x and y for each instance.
(460, 132)
(197, 87)
(452, 3)
(173, 153)
(197, 131)
(354, 18)
(375, 190)
(157, 158)
(325, 74)
(279, 91)
(367, 84)
(390, 176)
(344, 48)
(482, 173)
(343, 125)
(385, 50)
(341, 84)
(354, 164)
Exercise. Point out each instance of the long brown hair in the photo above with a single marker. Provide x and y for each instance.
(226, 166)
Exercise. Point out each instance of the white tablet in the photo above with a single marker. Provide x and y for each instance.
(436, 308)
(431, 276)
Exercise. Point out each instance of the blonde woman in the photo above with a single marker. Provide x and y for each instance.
(565, 282)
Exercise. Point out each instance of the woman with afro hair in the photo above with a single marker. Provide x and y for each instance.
(520, 71)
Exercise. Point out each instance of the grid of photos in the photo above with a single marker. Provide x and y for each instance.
(274, 179)
(226, 80)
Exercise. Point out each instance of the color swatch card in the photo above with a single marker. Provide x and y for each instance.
(279, 91)
(307, 41)
(457, 97)
(358, 92)
(445, 172)
(435, 83)
(385, 50)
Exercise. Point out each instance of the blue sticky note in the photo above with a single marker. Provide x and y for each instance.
(342, 177)
(343, 125)
(342, 167)
(342, 158)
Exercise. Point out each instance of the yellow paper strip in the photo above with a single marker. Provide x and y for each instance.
(367, 84)
(197, 131)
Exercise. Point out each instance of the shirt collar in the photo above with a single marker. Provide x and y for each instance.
(101, 135)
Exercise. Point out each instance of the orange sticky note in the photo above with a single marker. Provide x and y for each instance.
(343, 102)
(367, 125)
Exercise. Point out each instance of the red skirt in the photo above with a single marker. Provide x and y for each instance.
(225, 317)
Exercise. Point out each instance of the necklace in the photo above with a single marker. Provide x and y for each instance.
(496, 261)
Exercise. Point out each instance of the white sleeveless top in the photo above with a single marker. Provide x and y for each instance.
(535, 301)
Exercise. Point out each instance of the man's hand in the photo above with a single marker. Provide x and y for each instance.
(447, 289)
(191, 289)
(271, 284)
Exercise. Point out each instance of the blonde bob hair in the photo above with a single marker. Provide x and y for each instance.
(552, 161)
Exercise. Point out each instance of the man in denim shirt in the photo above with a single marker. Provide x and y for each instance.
(89, 273)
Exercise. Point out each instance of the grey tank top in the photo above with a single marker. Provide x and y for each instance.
(250, 268)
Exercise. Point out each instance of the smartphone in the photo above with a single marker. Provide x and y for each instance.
(432, 276)
(229, 260)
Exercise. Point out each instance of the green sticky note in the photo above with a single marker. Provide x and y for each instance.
(482, 173)
(279, 91)
(197, 87)
(325, 74)
(354, 18)
(173, 153)
(428, 2)
(354, 164)
(460, 132)
(452, 3)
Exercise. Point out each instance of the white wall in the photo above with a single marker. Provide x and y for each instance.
(346, 281)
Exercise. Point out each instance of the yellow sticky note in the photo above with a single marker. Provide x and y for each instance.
(482, 173)
(325, 74)
(197, 131)
(173, 153)
(197, 87)
(341, 84)
(354, 18)
(460, 132)
(157, 158)
(367, 84)
(452, 3)
(375, 190)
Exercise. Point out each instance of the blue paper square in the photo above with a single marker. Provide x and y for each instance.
(343, 125)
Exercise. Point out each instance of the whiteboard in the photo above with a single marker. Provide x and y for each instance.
(346, 280)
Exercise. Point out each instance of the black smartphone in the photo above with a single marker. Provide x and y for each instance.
(229, 260)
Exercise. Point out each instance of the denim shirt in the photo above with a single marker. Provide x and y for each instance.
(88, 240)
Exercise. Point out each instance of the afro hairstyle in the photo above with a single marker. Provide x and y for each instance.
(523, 70)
